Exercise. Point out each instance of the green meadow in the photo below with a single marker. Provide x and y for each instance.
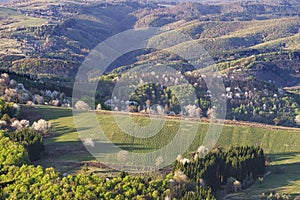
(65, 151)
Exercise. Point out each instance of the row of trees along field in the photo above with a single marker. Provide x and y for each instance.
(265, 103)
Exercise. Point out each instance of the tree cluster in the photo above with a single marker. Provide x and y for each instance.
(31, 140)
(218, 166)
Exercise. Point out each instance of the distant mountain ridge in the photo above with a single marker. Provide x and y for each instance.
(66, 31)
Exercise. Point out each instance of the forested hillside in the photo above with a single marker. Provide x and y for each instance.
(68, 31)
(251, 46)
(255, 46)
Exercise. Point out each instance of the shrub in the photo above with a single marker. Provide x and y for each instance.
(12, 153)
(20, 125)
(6, 118)
(41, 126)
(11, 109)
(37, 99)
(81, 105)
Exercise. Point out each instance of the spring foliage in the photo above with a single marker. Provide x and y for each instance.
(11, 153)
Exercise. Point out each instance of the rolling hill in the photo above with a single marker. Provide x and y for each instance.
(69, 30)
(251, 43)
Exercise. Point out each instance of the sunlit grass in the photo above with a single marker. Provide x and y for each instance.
(281, 145)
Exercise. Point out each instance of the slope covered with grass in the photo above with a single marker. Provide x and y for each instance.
(274, 140)
(67, 154)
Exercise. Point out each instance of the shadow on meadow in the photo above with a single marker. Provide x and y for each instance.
(283, 177)
(51, 113)
(283, 157)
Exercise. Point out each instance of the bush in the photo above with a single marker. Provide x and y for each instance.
(81, 105)
(6, 118)
(11, 153)
(20, 125)
(11, 109)
(41, 126)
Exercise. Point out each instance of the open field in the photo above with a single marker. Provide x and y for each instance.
(66, 153)
(10, 18)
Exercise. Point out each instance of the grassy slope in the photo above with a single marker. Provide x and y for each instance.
(10, 18)
(289, 43)
(272, 140)
(65, 149)
(219, 37)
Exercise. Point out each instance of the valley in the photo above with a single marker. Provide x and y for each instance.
(228, 70)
